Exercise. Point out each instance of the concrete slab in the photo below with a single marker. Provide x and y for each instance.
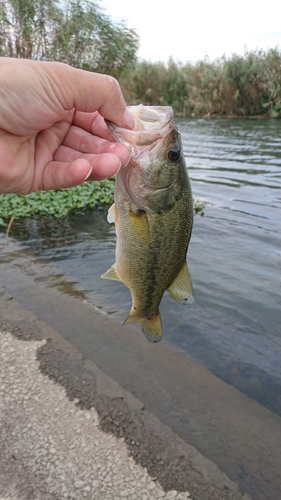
(70, 431)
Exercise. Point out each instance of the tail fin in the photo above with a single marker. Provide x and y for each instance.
(151, 327)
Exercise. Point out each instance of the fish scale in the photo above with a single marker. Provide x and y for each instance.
(153, 214)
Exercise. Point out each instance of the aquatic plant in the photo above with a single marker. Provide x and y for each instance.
(57, 203)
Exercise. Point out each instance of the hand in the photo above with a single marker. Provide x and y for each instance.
(52, 129)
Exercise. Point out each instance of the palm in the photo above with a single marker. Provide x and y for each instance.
(45, 143)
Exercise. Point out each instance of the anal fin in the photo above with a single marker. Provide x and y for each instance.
(111, 274)
(181, 290)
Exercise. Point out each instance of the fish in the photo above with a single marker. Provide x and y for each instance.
(153, 216)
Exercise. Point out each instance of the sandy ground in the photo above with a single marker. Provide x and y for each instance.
(69, 431)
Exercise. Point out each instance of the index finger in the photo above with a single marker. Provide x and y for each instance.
(93, 123)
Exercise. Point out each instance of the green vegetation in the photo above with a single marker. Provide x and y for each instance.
(57, 203)
(60, 202)
(248, 85)
(76, 32)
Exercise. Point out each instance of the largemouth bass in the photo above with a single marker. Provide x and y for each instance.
(153, 213)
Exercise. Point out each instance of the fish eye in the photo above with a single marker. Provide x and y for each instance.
(173, 153)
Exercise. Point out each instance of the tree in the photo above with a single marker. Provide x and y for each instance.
(76, 32)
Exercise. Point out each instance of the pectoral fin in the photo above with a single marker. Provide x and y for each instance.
(181, 290)
(111, 214)
(111, 274)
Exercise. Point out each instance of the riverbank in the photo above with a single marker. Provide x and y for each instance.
(244, 86)
(70, 431)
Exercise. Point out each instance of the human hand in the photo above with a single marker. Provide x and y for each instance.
(52, 129)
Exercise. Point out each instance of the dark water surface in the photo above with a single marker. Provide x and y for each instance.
(234, 327)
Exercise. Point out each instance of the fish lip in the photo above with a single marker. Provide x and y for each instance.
(156, 188)
(150, 118)
(152, 124)
(147, 118)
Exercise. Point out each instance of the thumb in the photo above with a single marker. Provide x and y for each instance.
(88, 92)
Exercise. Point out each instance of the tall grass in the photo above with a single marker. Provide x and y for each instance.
(248, 85)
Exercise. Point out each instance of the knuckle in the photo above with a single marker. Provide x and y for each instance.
(114, 85)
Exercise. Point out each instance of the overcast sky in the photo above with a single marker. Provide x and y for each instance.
(188, 30)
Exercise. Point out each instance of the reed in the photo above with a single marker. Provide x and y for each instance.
(247, 85)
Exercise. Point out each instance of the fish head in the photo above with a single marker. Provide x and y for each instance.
(155, 175)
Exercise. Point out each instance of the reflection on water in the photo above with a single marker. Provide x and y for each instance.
(234, 326)
(234, 256)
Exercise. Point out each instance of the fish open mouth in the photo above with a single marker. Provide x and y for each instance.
(152, 124)
(149, 118)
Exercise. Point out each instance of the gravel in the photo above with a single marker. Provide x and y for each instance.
(53, 449)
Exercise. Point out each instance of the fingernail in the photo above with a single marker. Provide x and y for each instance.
(120, 165)
(88, 174)
(126, 164)
(129, 119)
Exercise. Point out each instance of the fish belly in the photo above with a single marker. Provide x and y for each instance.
(150, 253)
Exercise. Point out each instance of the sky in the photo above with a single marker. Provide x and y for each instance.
(190, 30)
